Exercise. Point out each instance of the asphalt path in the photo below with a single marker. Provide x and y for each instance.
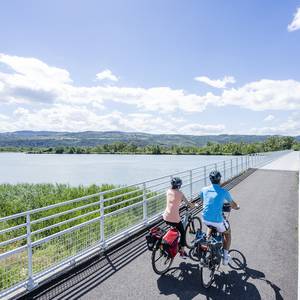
(264, 230)
(288, 162)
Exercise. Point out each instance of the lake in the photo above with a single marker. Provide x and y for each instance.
(95, 168)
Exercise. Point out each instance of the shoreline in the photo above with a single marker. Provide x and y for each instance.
(133, 153)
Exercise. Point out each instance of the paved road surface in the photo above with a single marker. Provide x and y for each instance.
(288, 162)
(264, 230)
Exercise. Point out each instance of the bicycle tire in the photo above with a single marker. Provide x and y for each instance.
(207, 272)
(191, 229)
(204, 271)
(166, 260)
(237, 261)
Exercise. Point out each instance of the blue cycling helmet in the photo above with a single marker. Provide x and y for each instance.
(176, 183)
(215, 177)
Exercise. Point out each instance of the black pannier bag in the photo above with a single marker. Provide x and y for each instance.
(154, 234)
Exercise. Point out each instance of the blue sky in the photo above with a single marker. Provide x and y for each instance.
(191, 67)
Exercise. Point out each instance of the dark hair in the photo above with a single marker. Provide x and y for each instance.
(176, 183)
(215, 177)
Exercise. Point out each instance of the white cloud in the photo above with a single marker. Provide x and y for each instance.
(33, 69)
(5, 123)
(35, 82)
(217, 83)
(48, 99)
(31, 80)
(107, 74)
(290, 127)
(20, 111)
(295, 24)
(61, 117)
(264, 94)
(269, 118)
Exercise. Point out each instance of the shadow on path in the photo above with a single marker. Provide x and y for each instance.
(90, 274)
(236, 180)
(185, 282)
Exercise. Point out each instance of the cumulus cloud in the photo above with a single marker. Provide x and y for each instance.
(33, 69)
(295, 24)
(217, 83)
(269, 118)
(20, 111)
(35, 81)
(31, 80)
(47, 99)
(289, 127)
(61, 117)
(106, 75)
(264, 94)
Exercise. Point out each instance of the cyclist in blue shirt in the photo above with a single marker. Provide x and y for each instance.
(213, 197)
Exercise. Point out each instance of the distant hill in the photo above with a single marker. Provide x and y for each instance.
(93, 138)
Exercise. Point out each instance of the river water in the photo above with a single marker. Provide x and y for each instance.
(95, 168)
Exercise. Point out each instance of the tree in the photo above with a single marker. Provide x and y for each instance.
(59, 150)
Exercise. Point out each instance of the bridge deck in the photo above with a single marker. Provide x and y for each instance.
(264, 230)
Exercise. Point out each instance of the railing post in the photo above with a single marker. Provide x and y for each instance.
(224, 170)
(237, 166)
(242, 163)
(102, 235)
(145, 217)
(205, 179)
(191, 184)
(30, 283)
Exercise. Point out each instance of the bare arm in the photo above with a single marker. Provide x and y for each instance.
(234, 205)
(190, 204)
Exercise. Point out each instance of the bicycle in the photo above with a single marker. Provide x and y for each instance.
(163, 255)
(209, 251)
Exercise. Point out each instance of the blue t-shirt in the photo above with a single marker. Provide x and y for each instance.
(213, 197)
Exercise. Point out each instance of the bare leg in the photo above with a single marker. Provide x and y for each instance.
(208, 233)
(227, 239)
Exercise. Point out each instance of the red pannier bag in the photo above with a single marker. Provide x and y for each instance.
(154, 234)
(170, 241)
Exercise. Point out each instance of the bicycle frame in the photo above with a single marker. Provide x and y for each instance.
(215, 243)
(186, 218)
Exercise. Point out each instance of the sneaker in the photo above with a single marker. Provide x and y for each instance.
(226, 259)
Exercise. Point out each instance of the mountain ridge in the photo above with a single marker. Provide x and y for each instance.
(29, 138)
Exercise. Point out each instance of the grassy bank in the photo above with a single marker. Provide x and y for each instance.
(21, 197)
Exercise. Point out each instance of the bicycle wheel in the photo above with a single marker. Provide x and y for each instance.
(190, 231)
(207, 277)
(207, 271)
(161, 261)
(238, 260)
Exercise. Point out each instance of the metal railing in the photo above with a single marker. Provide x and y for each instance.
(41, 242)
